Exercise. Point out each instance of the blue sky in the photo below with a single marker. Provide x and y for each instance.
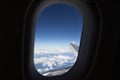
(57, 26)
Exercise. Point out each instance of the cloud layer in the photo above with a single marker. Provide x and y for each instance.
(37, 51)
(51, 61)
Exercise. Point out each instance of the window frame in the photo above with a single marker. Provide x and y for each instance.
(88, 38)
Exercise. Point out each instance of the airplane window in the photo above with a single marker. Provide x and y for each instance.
(57, 39)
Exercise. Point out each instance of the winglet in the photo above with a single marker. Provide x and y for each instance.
(74, 49)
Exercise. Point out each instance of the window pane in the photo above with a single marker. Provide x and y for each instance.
(57, 39)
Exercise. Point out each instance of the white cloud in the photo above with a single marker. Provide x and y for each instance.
(38, 51)
(51, 62)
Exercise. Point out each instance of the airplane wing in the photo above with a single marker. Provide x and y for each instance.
(57, 71)
(74, 48)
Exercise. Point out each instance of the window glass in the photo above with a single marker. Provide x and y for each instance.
(57, 39)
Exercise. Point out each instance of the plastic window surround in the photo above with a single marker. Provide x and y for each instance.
(88, 40)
